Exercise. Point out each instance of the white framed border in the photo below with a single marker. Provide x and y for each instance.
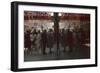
(34, 64)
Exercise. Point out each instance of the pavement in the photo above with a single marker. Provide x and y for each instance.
(82, 52)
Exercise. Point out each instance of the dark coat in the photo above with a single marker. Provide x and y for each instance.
(69, 38)
(27, 40)
(44, 39)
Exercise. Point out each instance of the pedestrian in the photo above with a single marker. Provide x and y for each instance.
(27, 40)
(69, 40)
(50, 39)
(63, 39)
(44, 41)
(38, 41)
(34, 35)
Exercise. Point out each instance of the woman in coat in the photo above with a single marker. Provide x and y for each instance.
(69, 40)
(27, 41)
(44, 41)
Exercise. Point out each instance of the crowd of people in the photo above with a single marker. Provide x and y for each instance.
(40, 40)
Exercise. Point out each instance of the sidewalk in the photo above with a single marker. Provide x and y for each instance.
(80, 53)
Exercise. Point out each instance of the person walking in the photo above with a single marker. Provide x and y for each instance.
(63, 37)
(69, 40)
(50, 39)
(27, 41)
(44, 41)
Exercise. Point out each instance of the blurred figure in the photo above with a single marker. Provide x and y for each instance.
(34, 35)
(76, 37)
(38, 41)
(63, 37)
(50, 38)
(69, 40)
(82, 36)
(44, 41)
(27, 41)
